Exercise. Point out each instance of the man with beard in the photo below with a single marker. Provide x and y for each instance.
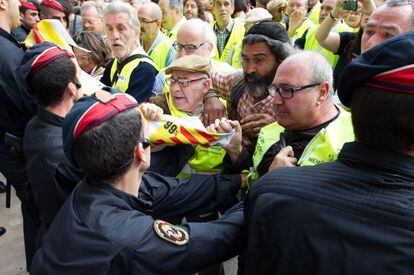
(29, 16)
(310, 128)
(131, 71)
(264, 48)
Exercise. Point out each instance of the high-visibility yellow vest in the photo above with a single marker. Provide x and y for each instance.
(324, 147)
(172, 34)
(237, 34)
(124, 76)
(312, 43)
(314, 14)
(206, 160)
(237, 61)
(160, 53)
(302, 28)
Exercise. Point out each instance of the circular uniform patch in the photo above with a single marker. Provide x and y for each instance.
(173, 234)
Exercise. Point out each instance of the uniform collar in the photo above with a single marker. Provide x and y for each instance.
(49, 117)
(359, 155)
(8, 36)
(228, 28)
(156, 42)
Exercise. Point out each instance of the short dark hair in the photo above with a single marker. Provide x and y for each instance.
(49, 83)
(383, 119)
(105, 152)
(280, 50)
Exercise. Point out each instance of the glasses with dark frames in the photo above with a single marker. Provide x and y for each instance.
(287, 92)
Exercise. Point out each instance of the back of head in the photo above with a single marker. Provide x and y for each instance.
(257, 14)
(48, 76)
(100, 134)
(378, 88)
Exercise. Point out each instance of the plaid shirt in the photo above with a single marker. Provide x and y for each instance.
(248, 105)
(223, 35)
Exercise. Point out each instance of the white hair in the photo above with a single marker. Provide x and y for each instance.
(205, 28)
(121, 7)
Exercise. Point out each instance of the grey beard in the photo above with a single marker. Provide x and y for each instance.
(256, 89)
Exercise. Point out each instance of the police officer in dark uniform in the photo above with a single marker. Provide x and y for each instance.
(16, 108)
(354, 215)
(107, 226)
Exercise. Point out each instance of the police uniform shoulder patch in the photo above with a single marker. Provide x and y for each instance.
(171, 233)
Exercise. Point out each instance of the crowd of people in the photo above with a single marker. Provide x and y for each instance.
(314, 98)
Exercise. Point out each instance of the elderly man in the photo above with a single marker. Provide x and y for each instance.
(309, 130)
(228, 30)
(155, 43)
(29, 16)
(298, 22)
(194, 37)
(131, 71)
(172, 16)
(351, 215)
(92, 19)
(389, 20)
(265, 46)
(106, 225)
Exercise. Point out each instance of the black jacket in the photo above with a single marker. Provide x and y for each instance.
(351, 216)
(101, 230)
(50, 174)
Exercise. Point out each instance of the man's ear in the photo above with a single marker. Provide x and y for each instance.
(206, 85)
(324, 89)
(21, 15)
(71, 89)
(139, 153)
(4, 4)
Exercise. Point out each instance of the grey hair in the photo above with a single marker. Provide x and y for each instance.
(305, 2)
(121, 7)
(320, 68)
(156, 12)
(92, 4)
(393, 3)
(205, 28)
(177, 4)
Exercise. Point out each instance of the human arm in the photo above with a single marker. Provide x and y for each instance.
(295, 21)
(252, 124)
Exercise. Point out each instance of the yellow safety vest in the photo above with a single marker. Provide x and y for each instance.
(312, 43)
(314, 14)
(324, 147)
(206, 160)
(301, 30)
(124, 76)
(228, 54)
(160, 53)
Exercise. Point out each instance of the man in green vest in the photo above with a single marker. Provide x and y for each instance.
(131, 71)
(310, 128)
(228, 30)
(298, 22)
(172, 16)
(157, 45)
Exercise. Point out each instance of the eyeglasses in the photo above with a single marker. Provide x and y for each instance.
(145, 143)
(145, 21)
(182, 82)
(77, 84)
(287, 92)
(188, 48)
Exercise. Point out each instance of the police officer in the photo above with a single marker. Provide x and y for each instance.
(105, 223)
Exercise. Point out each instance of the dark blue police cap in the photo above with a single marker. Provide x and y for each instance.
(388, 66)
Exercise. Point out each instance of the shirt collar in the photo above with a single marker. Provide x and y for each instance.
(228, 28)
(360, 155)
(156, 42)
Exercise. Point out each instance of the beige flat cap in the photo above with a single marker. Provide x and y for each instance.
(190, 63)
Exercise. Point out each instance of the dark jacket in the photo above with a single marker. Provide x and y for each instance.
(101, 230)
(17, 107)
(50, 174)
(351, 216)
(20, 33)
